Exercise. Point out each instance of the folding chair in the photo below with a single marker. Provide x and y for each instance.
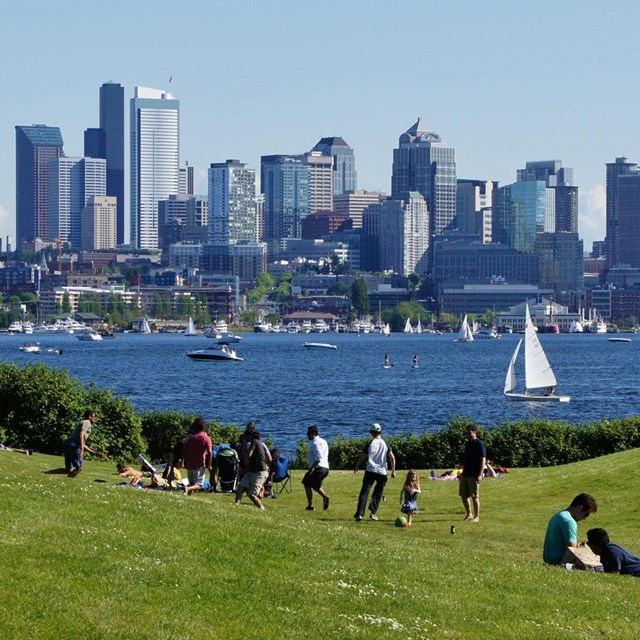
(281, 475)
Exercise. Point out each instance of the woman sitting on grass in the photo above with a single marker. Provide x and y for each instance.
(409, 496)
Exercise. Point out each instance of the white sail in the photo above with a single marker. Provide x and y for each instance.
(465, 335)
(510, 380)
(387, 330)
(407, 327)
(144, 326)
(191, 328)
(419, 326)
(537, 370)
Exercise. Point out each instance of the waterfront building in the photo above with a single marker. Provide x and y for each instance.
(345, 176)
(99, 223)
(404, 233)
(559, 180)
(36, 146)
(353, 203)
(477, 298)
(154, 160)
(423, 163)
(543, 310)
(620, 167)
(628, 219)
(285, 185)
(232, 214)
(72, 181)
(474, 200)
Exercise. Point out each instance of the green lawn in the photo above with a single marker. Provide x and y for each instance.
(83, 558)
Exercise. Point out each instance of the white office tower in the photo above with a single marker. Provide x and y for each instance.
(155, 160)
(99, 229)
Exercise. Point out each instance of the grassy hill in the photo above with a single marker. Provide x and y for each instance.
(85, 558)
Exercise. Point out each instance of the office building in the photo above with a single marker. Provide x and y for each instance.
(186, 180)
(628, 219)
(474, 199)
(155, 160)
(345, 177)
(99, 223)
(559, 180)
(353, 204)
(285, 184)
(320, 181)
(423, 163)
(36, 146)
(404, 234)
(324, 223)
(615, 169)
(72, 181)
(233, 213)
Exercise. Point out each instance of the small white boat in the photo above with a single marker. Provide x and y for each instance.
(51, 351)
(215, 353)
(537, 370)
(88, 336)
(486, 333)
(191, 328)
(320, 345)
(229, 338)
(619, 339)
(30, 347)
(465, 334)
(408, 328)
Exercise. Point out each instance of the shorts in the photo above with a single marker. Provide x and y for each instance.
(72, 455)
(314, 480)
(468, 487)
(196, 476)
(253, 481)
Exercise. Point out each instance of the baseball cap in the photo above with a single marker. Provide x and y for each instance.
(375, 428)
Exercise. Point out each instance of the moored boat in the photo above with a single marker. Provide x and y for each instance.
(320, 345)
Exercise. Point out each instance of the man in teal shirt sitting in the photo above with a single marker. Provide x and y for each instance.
(562, 530)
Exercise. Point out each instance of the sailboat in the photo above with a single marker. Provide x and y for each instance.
(407, 327)
(386, 330)
(419, 326)
(465, 334)
(191, 328)
(537, 370)
(144, 326)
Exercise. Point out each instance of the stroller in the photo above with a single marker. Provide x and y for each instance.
(228, 466)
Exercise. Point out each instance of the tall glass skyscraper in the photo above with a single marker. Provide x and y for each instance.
(345, 177)
(36, 146)
(615, 169)
(423, 163)
(155, 159)
(112, 123)
(233, 216)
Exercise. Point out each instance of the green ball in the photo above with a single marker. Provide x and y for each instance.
(401, 521)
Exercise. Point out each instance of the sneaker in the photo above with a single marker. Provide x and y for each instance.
(310, 508)
(325, 502)
(373, 516)
(358, 518)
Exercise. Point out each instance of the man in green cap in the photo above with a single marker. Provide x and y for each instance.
(379, 458)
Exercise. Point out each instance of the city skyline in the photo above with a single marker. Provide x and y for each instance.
(512, 85)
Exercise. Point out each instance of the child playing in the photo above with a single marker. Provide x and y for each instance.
(409, 496)
(134, 475)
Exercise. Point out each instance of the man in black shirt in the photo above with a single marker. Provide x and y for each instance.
(475, 458)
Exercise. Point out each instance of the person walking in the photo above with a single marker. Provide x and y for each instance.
(318, 459)
(76, 445)
(379, 458)
(475, 458)
(257, 460)
(409, 496)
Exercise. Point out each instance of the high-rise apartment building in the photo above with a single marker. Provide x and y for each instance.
(99, 223)
(345, 177)
(155, 138)
(353, 203)
(404, 234)
(559, 179)
(233, 216)
(284, 181)
(35, 146)
(72, 181)
(615, 231)
(423, 163)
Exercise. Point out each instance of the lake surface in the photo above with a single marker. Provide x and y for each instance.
(285, 387)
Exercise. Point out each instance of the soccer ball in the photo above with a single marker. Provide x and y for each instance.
(401, 521)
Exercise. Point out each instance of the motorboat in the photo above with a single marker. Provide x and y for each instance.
(215, 353)
(229, 338)
(320, 345)
(30, 347)
(51, 351)
(537, 370)
(486, 333)
(88, 336)
(619, 339)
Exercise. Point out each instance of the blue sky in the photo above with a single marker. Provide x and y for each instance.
(502, 81)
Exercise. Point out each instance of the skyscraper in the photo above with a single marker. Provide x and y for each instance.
(320, 181)
(232, 204)
(560, 180)
(345, 177)
(155, 160)
(423, 163)
(35, 147)
(615, 169)
(99, 223)
(72, 181)
(285, 185)
(628, 217)
(112, 123)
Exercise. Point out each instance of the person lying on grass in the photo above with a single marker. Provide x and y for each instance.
(614, 558)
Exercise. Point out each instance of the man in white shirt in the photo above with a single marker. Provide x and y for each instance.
(379, 457)
(318, 459)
